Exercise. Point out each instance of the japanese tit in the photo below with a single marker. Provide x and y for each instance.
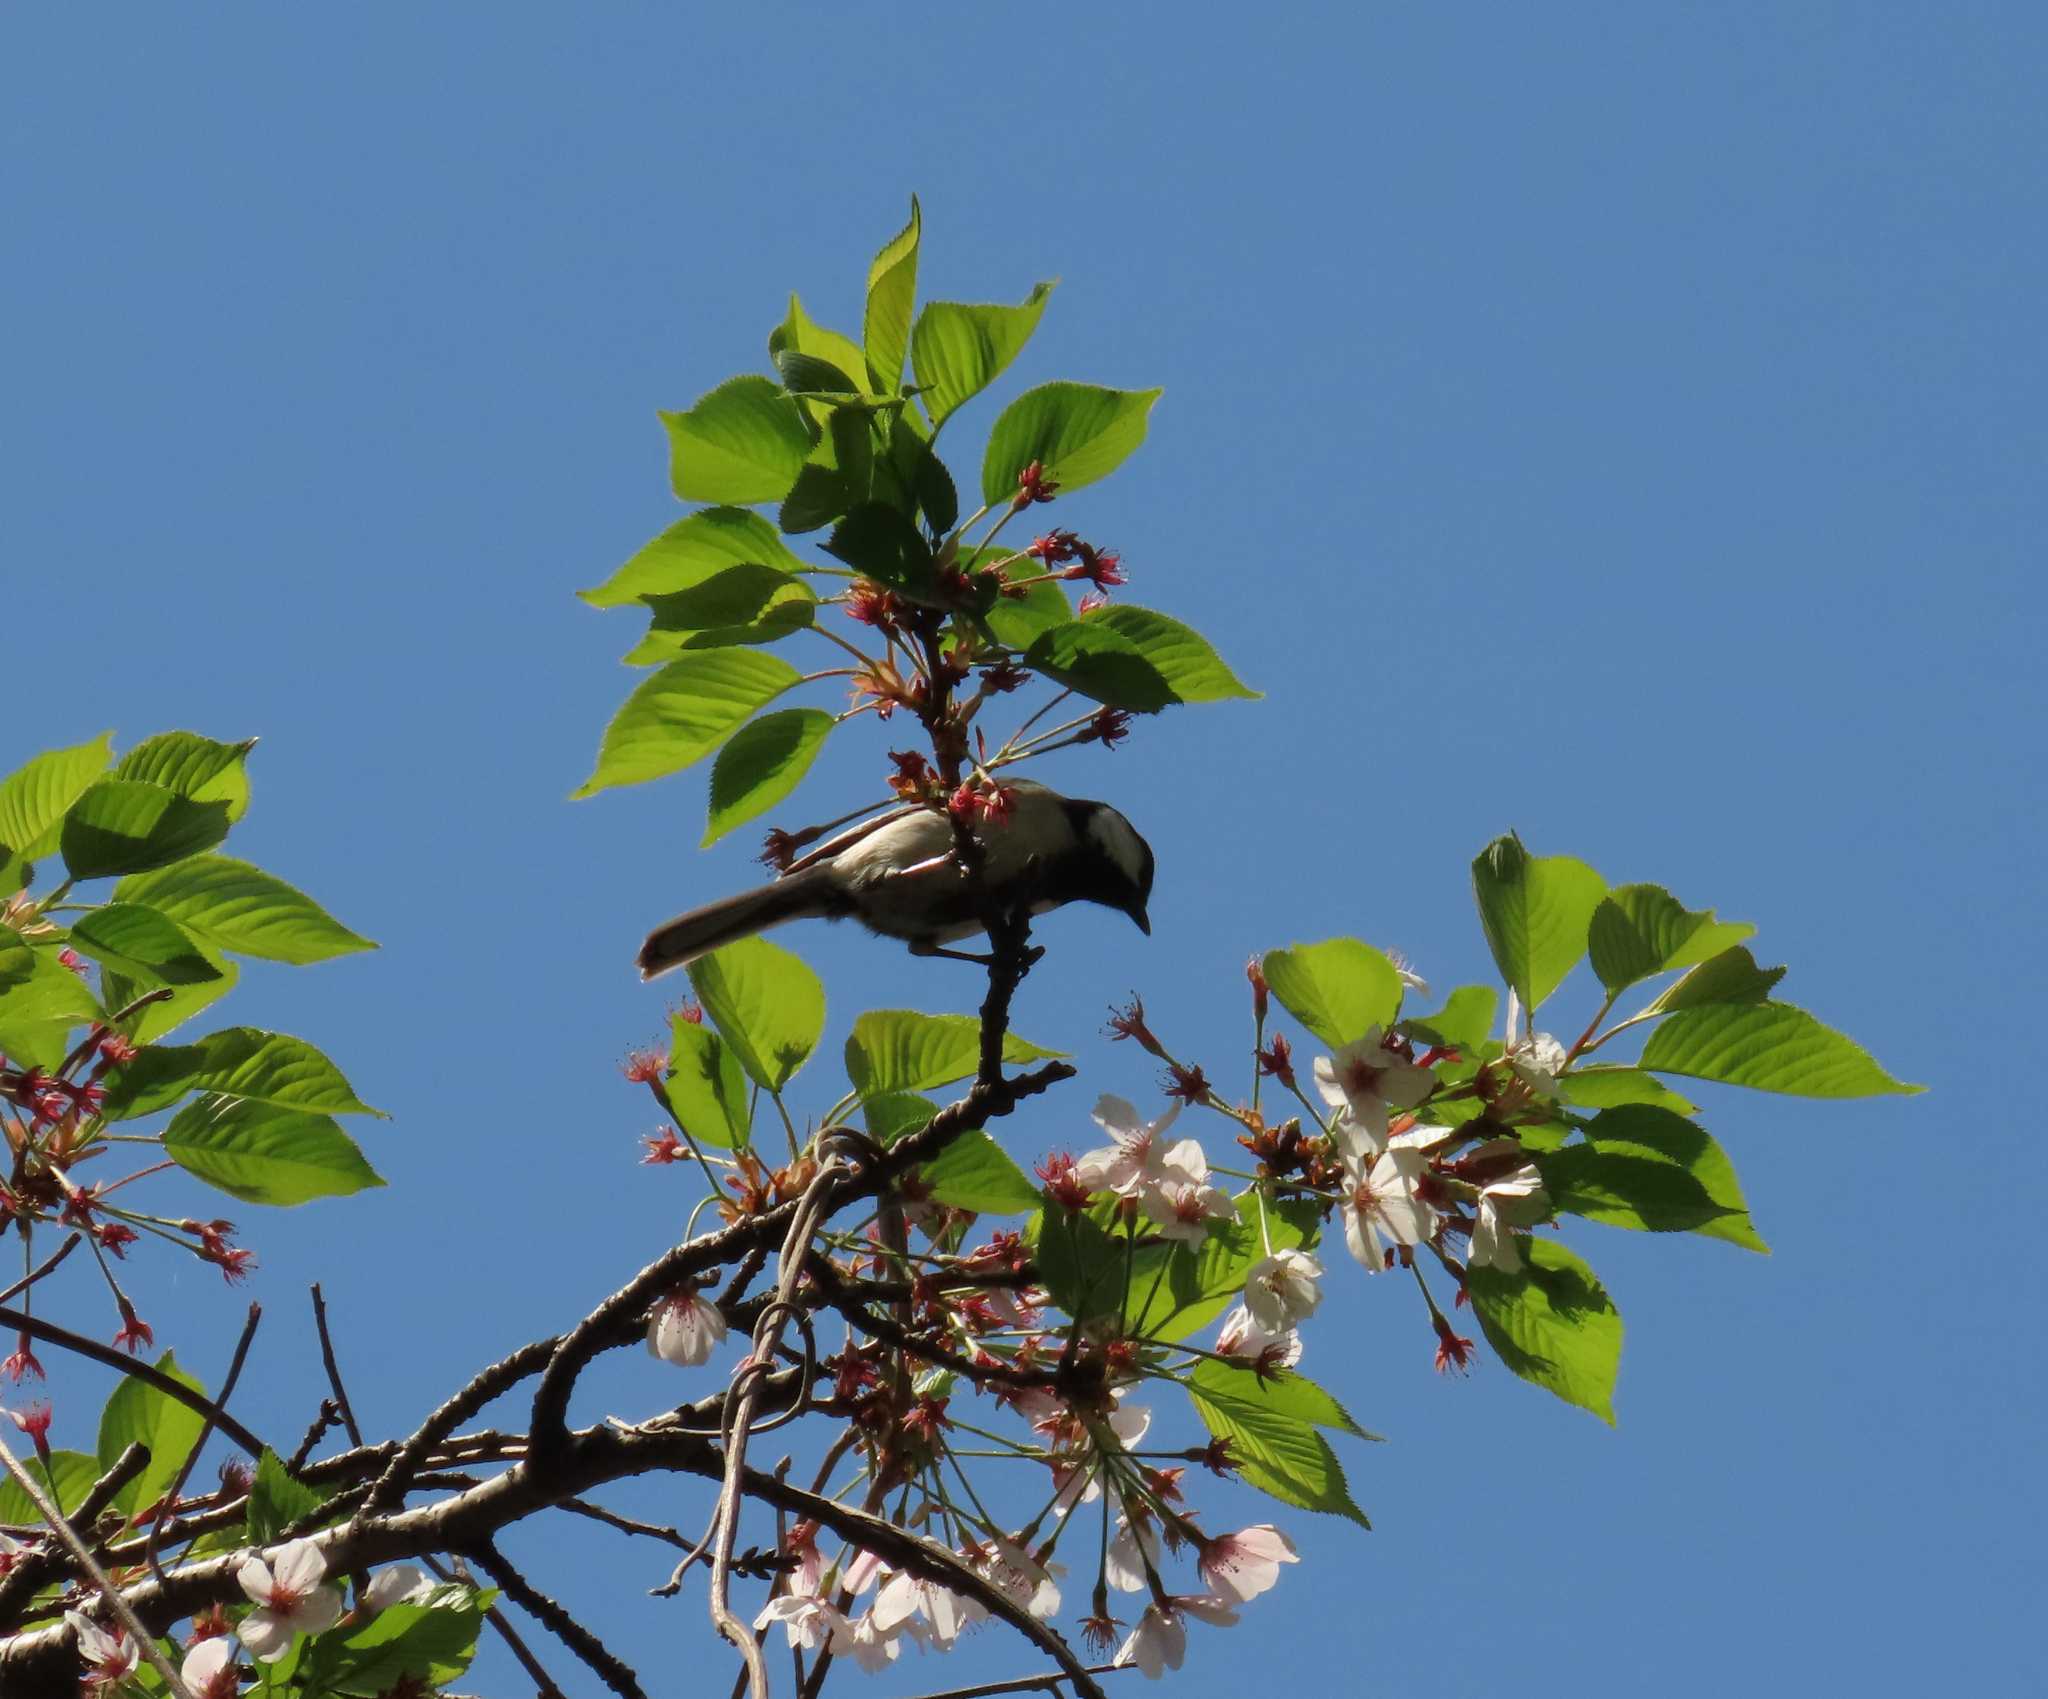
(898, 878)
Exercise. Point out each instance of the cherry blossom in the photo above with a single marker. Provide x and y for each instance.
(1138, 1157)
(1128, 1555)
(1183, 1209)
(1381, 1207)
(685, 1328)
(904, 1595)
(810, 1623)
(290, 1596)
(109, 1655)
(1536, 1057)
(1242, 1336)
(1280, 1289)
(1493, 1239)
(1160, 1640)
(1245, 1564)
(866, 1641)
(401, 1584)
(1030, 1585)
(1363, 1081)
(209, 1671)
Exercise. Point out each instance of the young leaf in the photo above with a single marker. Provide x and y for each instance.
(691, 551)
(1082, 1264)
(1338, 989)
(683, 713)
(1769, 1047)
(893, 1050)
(706, 1087)
(1286, 1391)
(892, 288)
(742, 442)
(137, 1412)
(1077, 432)
(767, 1003)
(129, 826)
(761, 764)
(1648, 1133)
(238, 1061)
(277, 1500)
(1535, 912)
(880, 543)
(733, 596)
(1131, 657)
(197, 767)
(958, 350)
(234, 906)
(1201, 1281)
(1730, 977)
(33, 800)
(1553, 1324)
(38, 1013)
(1276, 1450)
(263, 1154)
(1640, 930)
(142, 943)
(404, 1647)
(1462, 1023)
(810, 357)
(974, 1172)
(895, 1113)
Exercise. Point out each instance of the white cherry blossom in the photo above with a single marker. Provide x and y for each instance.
(1183, 1209)
(1160, 1640)
(1139, 1156)
(1493, 1238)
(1245, 1564)
(1280, 1289)
(209, 1671)
(867, 1642)
(685, 1328)
(292, 1598)
(1381, 1208)
(1135, 1545)
(108, 1654)
(401, 1584)
(810, 1623)
(1365, 1080)
(1242, 1336)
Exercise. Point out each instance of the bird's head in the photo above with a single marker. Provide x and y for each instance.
(1118, 863)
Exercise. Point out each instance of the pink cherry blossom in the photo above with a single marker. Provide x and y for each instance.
(1245, 1564)
(1363, 1081)
(109, 1655)
(290, 1596)
(810, 1623)
(685, 1328)
(1381, 1207)
(209, 1671)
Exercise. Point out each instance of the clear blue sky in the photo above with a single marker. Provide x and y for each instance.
(1622, 423)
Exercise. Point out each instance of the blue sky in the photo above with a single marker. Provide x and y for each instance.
(1619, 423)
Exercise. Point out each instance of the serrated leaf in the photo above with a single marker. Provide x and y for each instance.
(137, 1412)
(766, 1002)
(202, 768)
(1535, 912)
(974, 1172)
(761, 764)
(1552, 1323)
(1284, 1390)
(142, 943)
(1132, 657)
(1081, 1261)
(892, 289)
(1338, 989)
(1640, 930)
(880, 543)
(1609, 1087)
(235, 906)
(73, 1473)
(683, 713)
(128, 826)
(1277, 1451)
(277, 1500)
(1650, 1133)
(1462, 1023)
(896, 1050)
(1627, 1188)
(810, 357)
(263, 1154)
(1768, 1047)
(433, 1642)
(238, 1061)
(790, 611)
(706, 1087)
(38, 1013)
(957, 350)
(691, 551)
(33, 799)
(158, 1019)
(1731, 977)
(1077, 432)
(742, 442)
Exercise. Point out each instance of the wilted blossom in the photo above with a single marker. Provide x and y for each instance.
(1244, 1564)
(108, 1654)
(288, 1589)
(1381, 1207)
(1280, 1289)
(1364, 1081)
(1493, 1239)
(401, 1584)
(685, 1328)
(209, 1671)
(1242, 1336)
(1160, 1640)
(1536, 1057)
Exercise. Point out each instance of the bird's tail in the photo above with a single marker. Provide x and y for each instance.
(802, 896)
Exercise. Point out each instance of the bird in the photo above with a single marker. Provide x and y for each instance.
(899, 877)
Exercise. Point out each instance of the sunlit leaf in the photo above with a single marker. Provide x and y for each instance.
(683, 712)
(1535, 911)
(1077, 432)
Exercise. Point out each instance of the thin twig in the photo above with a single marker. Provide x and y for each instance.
(227, 1391)
(507, 1372)
(327, 1417)
(625, 1524)
(348, 1415)
(49, 1267)
(550, 1614)
(514, 1640)
(1046, 1681)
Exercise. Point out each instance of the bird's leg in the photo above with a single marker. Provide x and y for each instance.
(919, 948)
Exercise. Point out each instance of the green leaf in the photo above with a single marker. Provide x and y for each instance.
(234, 906)
(1608, 1087)
(767, 1003)
(261, 1153)
(1768, 1047)
(1464, 1021)
(1626, 1189)
(974, 1172)
(1649, 1134)
(200, 768)
(691, 551)
(1640, 930)
(892, 288)
(880, 543)
(1131, 657)
(683, 713)
(895, 1113)
(33, 800)
(1081, 1263)
(735, 596)
(1535, 911)
(742, 442)
(143, 943)
(958, 350)
(1276, 1450)
(149, 1024)
(1339, 989)
(1285, 1391)
(129, 826)
(73, 1472)
(138, 1413)
(822, 359)
(763, 762)
(918, 475)
(433, 1641)
(37, 1014)
(1731, 977)
(1553, 1324)
(1199, 1282)
(706, 1088)
(1077, 432)
(277, 1500)
(1020, 621)
(790, 610)
(892, 1050)
(237, 1061)
(17, 960)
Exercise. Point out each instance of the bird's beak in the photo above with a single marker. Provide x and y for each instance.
(1138, 919)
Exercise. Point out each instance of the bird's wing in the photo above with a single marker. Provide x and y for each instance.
(848, 838)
